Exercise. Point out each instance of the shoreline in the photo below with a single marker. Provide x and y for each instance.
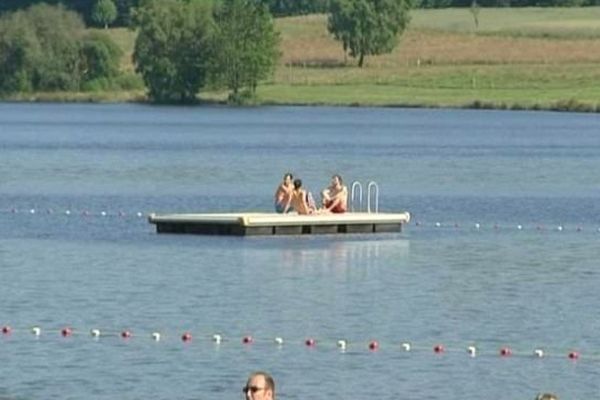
(570, 105)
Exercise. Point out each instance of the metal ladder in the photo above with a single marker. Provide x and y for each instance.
(357, 195)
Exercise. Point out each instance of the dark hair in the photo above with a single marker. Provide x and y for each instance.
(339, 178)
(269, 381)
(297, 183)
(546, 396)
(288, 174)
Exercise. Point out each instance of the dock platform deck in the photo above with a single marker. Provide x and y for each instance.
(242, 224)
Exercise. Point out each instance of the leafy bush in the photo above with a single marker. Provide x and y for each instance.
(100, 57)
(45, 48)
(58, 34)
(129, 81)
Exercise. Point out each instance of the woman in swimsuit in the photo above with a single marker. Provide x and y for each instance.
(299, 199)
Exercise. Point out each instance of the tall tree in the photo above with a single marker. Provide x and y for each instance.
(172, 47)
(58, 33)
(368, 27)
(19, 48)
(104, 13)
(245, 46)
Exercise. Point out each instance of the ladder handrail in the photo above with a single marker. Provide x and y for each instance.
(374, 185)
(356, 184)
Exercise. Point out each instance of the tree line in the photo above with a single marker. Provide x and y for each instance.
(124, 8)
(182, 46)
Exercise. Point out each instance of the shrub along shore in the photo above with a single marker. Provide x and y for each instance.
(515, 58)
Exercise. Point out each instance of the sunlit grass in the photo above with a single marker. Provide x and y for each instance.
(551, 22)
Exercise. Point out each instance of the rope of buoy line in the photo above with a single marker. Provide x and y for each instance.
(72, 212)
(503, 227)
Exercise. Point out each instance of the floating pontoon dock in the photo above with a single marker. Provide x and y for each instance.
(241, 224)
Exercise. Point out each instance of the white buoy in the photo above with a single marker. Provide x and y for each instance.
(560, 228)
(519, 227)
(32, 211)
(279, 340)
(437, 224)
(406, 346)
(477, 226)
(67, 212)
(103, 213)
(538, 353)
(342, 344)
(36, 331)
(155, 336)
(217, 338)
(95, 333)
(472, 350)
(140, 214)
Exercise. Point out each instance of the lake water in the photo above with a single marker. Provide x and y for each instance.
(502, 251)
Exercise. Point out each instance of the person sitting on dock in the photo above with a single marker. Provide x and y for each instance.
(283, 194)
(300, 200)
(335, 196)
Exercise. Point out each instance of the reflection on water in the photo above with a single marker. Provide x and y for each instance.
(351, 258)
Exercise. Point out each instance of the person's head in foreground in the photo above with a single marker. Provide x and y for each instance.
(260, 386)
(546, 396)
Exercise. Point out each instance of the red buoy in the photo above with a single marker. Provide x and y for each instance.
(126, 334)
(505, 352)
(247, 340)
(574, 355)
(374, 345)
(439, 348)
(6, 330)
(66, 331)
(186, 337)
(310, 342)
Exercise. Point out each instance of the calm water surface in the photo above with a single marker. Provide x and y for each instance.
(442, 280)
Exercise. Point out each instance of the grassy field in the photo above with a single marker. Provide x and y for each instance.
(516, 58)
(530, 58)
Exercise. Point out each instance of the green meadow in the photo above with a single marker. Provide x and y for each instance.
(515, 58)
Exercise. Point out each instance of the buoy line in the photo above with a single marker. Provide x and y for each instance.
(343, 345)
